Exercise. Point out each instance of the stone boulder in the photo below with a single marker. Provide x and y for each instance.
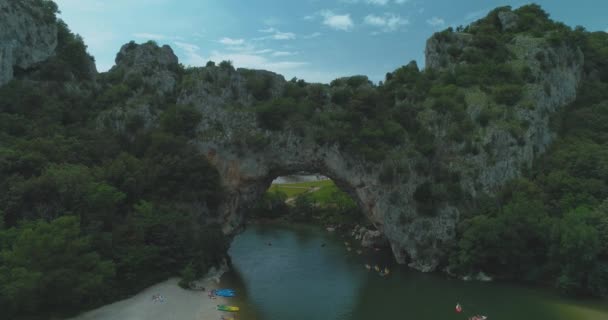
(374, 239)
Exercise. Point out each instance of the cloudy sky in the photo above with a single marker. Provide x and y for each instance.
(315, 40)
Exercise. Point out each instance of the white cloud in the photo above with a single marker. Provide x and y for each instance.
(388, 22)
(309, 17)
(401, 1)
(339, 22)
(271, 21)
(312, 35)
(284, 36)
(231, 42)
(276, 34)
(245, 56)
(253, 61)
(283, 53)
(373, 20)
(262, 51)
(267, 30)
(377, 2)
(193, 57)
(435, 22)
(151, 36)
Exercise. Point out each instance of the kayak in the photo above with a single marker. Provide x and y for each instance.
(224, 291)
(226, 294)
(222, 307)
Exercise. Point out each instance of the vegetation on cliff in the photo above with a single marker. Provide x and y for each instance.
(552, 225)
(90, 215)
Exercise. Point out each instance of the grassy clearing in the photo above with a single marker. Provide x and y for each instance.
(295, 189)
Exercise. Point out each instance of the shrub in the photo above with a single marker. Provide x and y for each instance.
(273, 114)
(259, 85)
(226, 65)
(508, 94)
(181, 120)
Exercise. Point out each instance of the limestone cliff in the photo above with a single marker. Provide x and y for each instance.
(248, 156)
(28, 35)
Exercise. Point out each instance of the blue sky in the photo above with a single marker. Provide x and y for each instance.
(315, 40)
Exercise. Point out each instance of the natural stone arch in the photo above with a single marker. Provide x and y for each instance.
(246, 181)
(248, 155)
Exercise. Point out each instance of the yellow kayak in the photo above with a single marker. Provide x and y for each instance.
(222, 307)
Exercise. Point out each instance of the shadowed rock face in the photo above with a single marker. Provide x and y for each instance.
(248, 157)
(27, 37)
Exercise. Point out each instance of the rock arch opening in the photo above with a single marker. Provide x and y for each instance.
(315, 198)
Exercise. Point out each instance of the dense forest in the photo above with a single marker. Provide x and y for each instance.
(89, 215)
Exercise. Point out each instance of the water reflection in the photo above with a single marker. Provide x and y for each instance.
(297, 278)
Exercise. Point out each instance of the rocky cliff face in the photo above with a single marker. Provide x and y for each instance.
(248, 157)
(28, 36)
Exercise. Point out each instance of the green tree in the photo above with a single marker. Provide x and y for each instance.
(46, 266)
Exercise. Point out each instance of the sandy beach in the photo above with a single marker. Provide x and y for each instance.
(178, 304)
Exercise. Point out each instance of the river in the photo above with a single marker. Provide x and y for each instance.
(297, 278)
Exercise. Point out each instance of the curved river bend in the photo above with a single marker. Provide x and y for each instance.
(297, 278)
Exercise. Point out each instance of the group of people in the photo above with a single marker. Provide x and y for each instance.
(477, 317)
(158, 298)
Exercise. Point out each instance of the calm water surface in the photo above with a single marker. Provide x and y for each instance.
(298, 279)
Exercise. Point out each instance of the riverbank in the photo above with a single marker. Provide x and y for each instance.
(176, 303)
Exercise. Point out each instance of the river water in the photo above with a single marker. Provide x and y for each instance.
(297, 278)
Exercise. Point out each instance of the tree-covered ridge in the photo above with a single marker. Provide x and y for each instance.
(89, 215)
(398, 110)
(552, 225)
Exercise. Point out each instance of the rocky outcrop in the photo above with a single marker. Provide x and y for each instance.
(370, 238)
(508, 20)
(373, 239)
(156, 67)
(28, 36)
(151, 74)
(440, 48)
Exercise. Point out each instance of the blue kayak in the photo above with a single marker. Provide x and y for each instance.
(225, 294)
(224, 291)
